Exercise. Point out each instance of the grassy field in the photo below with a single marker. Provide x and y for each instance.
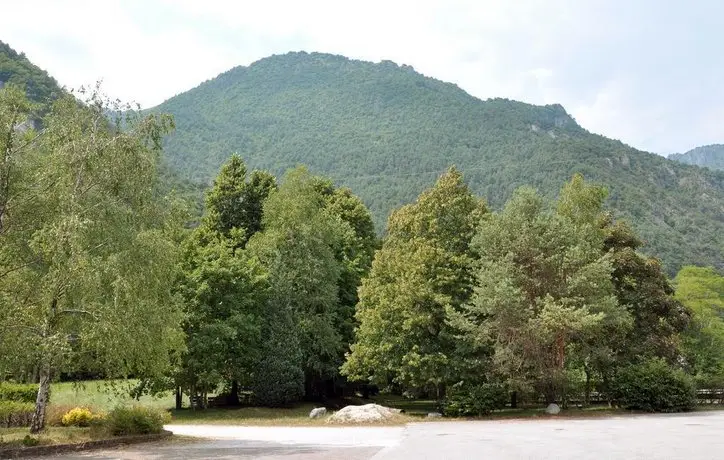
(103, 396)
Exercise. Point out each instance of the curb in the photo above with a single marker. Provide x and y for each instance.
(19, 452)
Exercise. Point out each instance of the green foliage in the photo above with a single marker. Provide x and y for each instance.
(15, 68)
(543, 293)
(297, 247)
(30, 441)
(78, 416)
(135, 420)
(14, 413)
(224, 288)
(18, 392)
(279, 377)
(654, 386)
(643, 288)
(235, 205)
(386, 132)
(87, 250)
(423, 269)
(701, 290)
(468, 400)
(224, 291)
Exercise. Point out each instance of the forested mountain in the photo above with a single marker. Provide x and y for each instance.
(387, 132)
(711, 156)
(16, 68)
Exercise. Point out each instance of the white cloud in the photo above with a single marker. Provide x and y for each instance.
(615, 65)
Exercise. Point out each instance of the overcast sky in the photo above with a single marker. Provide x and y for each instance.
(648, 72)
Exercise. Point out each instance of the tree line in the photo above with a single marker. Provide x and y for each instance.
(282, 290)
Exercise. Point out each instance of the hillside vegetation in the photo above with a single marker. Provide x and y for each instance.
(387, 131)
(17, 69)
(711, 156)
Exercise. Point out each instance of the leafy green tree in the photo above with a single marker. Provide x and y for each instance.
(224, 291)
(234, 205)
(88, 261)
(424, 269)
(643, 288)
(297, 248)
(354, 252)
(543, 287)
(701, 290)
(223, 286)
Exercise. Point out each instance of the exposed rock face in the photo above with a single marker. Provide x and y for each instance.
(363, 414)
(553, 409)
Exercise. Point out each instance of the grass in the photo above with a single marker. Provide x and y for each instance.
(298, 415)
(102, 396)
(13, 437)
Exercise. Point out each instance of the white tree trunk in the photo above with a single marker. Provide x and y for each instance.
(41, 402)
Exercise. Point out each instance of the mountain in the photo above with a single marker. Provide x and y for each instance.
(16, 68)
(387, 131)
(711, 156)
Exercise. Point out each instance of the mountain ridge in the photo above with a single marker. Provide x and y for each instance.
(708, 156)
(387, 131)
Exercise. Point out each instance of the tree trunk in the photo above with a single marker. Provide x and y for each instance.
(179, 399)
(41, 402)
(587, 394)
(514, 400)
(234, 394)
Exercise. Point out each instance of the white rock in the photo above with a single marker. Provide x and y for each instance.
(318, 412)
(363, 414)
(434, 415)
(553, 409)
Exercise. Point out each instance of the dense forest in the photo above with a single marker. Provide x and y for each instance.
(386, 132)
(710, 156)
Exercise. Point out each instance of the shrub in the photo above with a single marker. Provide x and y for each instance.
(79, 416)
(30, 441)
(18, 392)
(15, 414)
(125, 421)
(654, 386)
(475, 400)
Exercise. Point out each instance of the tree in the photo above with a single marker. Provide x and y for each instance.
(224, 290)
(234, 205)
(643, 288)
(423, 270)
(88, 262)
(355, 251)
(543, 287)
(297, 248)
(701, 290)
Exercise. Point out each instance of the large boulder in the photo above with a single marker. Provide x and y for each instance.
(318, 412)
(363, 414)
(553, 409)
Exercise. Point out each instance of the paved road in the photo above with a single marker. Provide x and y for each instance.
(690, 437)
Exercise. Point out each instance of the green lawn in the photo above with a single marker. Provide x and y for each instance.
(102, 396)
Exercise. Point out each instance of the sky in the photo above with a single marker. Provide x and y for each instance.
(647, 72)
